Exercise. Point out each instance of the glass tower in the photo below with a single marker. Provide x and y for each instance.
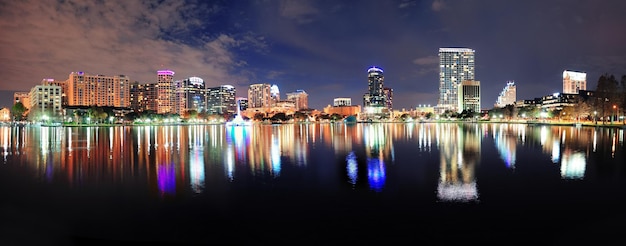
(455, 66)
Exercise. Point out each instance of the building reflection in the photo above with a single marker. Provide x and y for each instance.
(459, 148)
(506, 137)
(174, 160)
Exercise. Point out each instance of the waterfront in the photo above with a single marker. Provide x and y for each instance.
(313, 183)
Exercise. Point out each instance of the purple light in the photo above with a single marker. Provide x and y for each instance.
(165, 72)
(374, 69)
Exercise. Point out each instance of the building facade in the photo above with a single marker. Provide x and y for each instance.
(83, 89)
(300, 99)
(508, 95)
(455, 66)
(166, 92)
(221, 100)
(574, 82)
(191, 95)
(342, 101)
(22, 96)
(375, 95)
(259, 95)
(469, 96)
(45, 100)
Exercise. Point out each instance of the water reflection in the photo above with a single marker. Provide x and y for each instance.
(179, 160)
(459, 149)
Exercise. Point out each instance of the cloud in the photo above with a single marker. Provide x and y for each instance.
(438, 5)
(301, 11)
(427, 60)
(133, 38)
(406, 3)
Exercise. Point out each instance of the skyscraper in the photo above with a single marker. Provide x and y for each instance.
(300, 98)
(191, 95)
(375, 95)
(82, 89)
(455, 66)
(507, 96)
(166, 92)
(221, 99)
(574, 81)
(259, 95)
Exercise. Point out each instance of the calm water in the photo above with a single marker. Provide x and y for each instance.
(317, 183)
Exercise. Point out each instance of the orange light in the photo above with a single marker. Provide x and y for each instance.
(614, 106)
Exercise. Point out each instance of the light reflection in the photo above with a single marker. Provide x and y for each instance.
(459, 150)
(573, 165)
(352, 168)
(213, 153)
(376, 173)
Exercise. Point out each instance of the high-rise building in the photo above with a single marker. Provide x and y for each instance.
(574, 82)
(63, 85)
(259, 95)
(469, 96)
(507, 96)
(388, 92)
(45, 100)
(274, 95)
(191, 95)
(166, 92)
(221, 100)
(455, 66)
(97, 90)
(375, 95)
(300, 98)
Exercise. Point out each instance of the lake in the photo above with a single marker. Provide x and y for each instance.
(391, 183)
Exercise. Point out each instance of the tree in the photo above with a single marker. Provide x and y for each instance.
(17, 111)
(606, 95)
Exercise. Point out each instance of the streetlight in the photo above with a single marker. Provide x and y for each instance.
(595, 117)
(614, 107)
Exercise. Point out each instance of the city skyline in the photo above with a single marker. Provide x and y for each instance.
(315, 46)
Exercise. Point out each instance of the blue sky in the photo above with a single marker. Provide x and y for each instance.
(323, 47)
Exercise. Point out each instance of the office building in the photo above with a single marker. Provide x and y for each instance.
(191, 95)
(508, 95)
(221, 100)
(300, 98)
(83, 89)
(574, 82)
(469, 96)
(455, 66)
(166, 92)
(259, 95)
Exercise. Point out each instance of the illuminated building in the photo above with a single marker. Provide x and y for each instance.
(274, 95)
(343, 110)
(99, 90)
(259, 95)
(143, 97)
(455, 66)
(469, 96)
(243, 103)
(21, 96)
(166, 92)
(300, 99)
(46, 99)
(64, 88)
(342, 101)
(375, 96)
(5, 114)
(507, 96)
(558, 101)
(574, 81)
(191, 95)
(388, 92)
(221, 100)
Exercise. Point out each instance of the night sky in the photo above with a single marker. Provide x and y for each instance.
(322, 47)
